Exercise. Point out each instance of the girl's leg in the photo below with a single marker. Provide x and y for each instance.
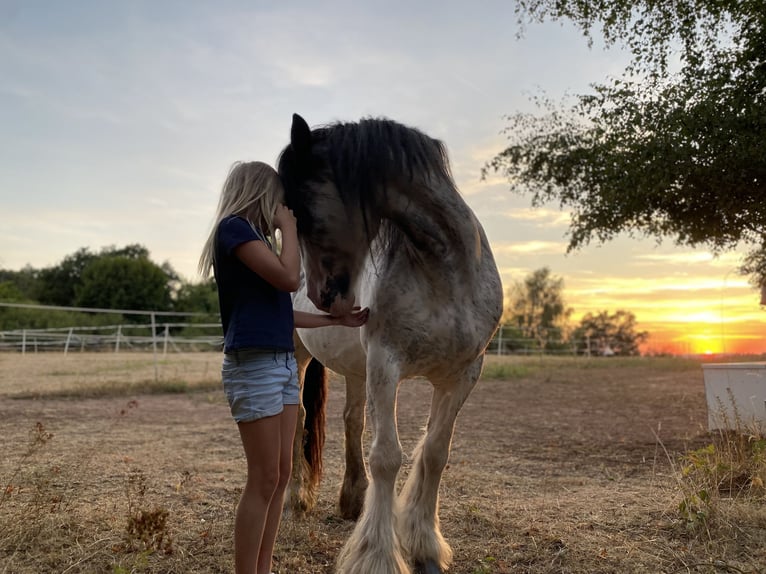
(260, 440)
(287, 424)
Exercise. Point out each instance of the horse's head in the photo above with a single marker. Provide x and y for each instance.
(332, 233)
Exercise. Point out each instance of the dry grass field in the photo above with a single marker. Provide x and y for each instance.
(112, 464)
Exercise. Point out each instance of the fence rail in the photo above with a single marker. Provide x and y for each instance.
(176, 337)
(184, 336)
(112, 338)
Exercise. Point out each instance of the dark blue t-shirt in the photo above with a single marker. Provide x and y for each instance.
(254, 313)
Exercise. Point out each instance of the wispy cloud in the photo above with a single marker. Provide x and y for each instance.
(528, 247)
(692, 257)
(541, 216)
(653, 286)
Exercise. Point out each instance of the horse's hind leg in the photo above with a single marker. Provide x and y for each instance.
(355, 479)
(418, 523)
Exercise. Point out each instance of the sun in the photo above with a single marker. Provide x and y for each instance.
(702, 342)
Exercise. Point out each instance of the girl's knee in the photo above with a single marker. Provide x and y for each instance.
(263, 484)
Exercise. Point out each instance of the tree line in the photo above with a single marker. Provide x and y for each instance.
(536, 318)
(114, 278)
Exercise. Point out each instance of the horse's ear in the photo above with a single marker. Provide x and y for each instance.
(300, 136)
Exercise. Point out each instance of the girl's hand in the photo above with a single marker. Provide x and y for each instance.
(284, 217)
(356, 318)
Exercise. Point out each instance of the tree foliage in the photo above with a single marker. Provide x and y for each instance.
(19, 285)
(114, 278)
(197, 298)
(604, 333)
(675, 147)
(118, 282)
(536, 307)
(58, 284)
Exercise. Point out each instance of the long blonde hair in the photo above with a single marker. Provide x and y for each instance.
(252, 190)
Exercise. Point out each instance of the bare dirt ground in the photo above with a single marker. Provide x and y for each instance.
(566, 466)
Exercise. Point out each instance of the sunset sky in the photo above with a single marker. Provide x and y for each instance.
(120, 121)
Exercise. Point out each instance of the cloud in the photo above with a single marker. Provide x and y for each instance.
(541, 216)
(528, 247)
(692, 257)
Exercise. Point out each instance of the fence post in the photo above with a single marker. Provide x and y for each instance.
(500, 340)
(23, 341)
(117, 342)
(68, 339)
(154, 346)
(165, 342)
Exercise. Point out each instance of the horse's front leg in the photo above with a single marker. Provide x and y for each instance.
(418, 520)
(373, 547)
(355, 479)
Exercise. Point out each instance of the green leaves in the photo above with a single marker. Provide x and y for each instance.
(675, 148)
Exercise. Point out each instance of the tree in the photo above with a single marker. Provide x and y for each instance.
(658, 152)
(537, 308)
(605, 334)
(197, 297)
(25, 284)
(127, 274)
(59, 283)
(10, 292)
(118, 282)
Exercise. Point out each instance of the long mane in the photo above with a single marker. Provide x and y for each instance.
(377, 152)
(365, 158)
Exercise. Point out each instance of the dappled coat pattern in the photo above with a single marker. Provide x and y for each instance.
(382, 224)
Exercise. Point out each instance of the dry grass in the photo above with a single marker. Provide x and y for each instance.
(81, 375)
(558, 466)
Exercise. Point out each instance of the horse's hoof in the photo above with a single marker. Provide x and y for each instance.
(351, 509)
(427, 567)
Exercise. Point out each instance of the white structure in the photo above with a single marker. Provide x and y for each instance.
(736, 395)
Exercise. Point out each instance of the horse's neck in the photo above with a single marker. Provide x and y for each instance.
(436, 223)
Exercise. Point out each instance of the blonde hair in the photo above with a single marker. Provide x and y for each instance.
(253, 191)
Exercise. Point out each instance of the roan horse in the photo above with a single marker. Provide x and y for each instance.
(381, 223)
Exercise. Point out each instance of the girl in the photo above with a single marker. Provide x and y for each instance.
(259, 371)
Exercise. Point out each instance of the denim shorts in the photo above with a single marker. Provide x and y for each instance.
(258, 383)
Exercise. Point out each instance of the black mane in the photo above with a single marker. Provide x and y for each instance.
(362, 159)
(362, 156)
(376, 152)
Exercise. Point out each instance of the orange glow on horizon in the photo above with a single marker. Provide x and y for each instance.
(701, 315)
(745, 338)
(688, 307)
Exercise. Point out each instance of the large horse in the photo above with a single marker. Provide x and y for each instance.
(382, 224)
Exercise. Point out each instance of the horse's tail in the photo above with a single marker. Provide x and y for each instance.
(314, 401)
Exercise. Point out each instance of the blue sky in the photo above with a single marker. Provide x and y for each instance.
(120, 120)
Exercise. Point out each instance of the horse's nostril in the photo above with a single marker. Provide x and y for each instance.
(335, 286)
(340, 283)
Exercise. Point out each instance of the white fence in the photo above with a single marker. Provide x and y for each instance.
(127, 336)
(163, 336)
(112, 338)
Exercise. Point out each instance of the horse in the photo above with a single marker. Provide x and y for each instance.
(381, 223)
